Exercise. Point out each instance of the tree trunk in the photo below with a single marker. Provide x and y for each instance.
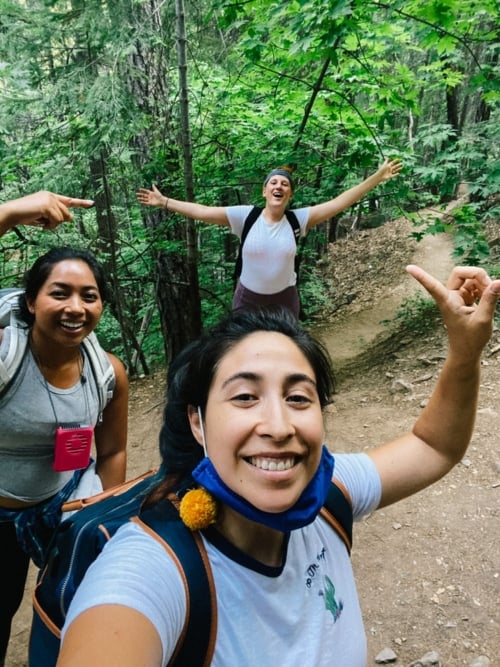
(107, 242)
(174, 252)
(193, 305)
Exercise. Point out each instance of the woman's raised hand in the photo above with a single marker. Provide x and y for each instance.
(467, 304)
(151, 197)
(389, 169)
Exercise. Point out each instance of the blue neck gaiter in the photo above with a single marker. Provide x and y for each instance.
(301, 514)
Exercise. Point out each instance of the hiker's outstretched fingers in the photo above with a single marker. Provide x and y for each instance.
(488, 300)
(470, 281)
(435, 288)
(467, 304)
(151, 197)
(55, 209)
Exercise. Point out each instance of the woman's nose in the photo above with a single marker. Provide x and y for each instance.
(75, 304)
(275, 421)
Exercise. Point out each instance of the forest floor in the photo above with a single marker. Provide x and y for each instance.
(427, 568)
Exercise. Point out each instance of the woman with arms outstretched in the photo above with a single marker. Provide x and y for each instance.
(268, 276)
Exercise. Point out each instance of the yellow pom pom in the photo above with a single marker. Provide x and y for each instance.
(198, 509)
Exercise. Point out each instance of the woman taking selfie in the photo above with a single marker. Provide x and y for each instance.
(243, 422)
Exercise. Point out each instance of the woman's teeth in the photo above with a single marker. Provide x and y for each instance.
(272, 464)
(72, 325)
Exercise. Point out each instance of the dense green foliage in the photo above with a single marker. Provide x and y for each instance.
(91, 107)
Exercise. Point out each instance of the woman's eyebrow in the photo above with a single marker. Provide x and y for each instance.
(242, 375)
(57, 283)
(293, 378)
(63, 285)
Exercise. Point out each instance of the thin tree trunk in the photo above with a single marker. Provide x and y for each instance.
(193, 305)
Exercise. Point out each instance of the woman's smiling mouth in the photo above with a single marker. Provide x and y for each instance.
(272, 464)
(72, 326)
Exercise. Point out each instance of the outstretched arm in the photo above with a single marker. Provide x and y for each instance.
(120, 636)
(329, 209)
(214, 214)
(442, 433)
(41, 209)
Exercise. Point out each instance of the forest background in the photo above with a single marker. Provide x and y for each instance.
(99, 98)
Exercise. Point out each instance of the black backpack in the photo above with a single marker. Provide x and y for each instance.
(79, 539)
(247, 226)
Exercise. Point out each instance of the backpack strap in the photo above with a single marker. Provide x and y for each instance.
(197, 642)
(9, 301)
(337, 511)
(294, 224)
(102, 368)
(17, 335)
(247, 226)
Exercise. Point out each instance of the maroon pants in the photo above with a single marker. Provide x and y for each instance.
(245, 298)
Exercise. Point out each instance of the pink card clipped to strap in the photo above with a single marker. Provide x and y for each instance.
(72, 447)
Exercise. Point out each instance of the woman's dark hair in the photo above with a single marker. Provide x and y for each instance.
(35, 277)
(191, 373)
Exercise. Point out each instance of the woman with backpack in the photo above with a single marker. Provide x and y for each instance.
(243, 431)
(267, 256)
(60, 393)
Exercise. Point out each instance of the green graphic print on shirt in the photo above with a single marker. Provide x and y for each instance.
(334, 607)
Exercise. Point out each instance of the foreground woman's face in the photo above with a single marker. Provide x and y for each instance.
(263, 421)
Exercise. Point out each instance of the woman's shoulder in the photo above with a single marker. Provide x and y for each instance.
(118, 367)
(302, 215)
(119, 576)
(241, 210)
(358, 474)
(237, 216)
(126, 552)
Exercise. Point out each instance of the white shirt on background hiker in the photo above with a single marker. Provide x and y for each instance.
(269, 250)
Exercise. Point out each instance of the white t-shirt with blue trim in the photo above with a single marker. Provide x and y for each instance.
(304, 613)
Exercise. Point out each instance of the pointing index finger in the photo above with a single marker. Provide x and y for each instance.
(74, 202)
(436, 289)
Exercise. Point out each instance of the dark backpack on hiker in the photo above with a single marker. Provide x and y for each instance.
(247, 226)
(18, 335)
(80, 538)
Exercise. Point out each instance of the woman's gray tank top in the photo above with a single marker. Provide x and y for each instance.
(28, 425)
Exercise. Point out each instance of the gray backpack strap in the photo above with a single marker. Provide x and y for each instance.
(9, 305)
(15, 337)
(102, 368)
